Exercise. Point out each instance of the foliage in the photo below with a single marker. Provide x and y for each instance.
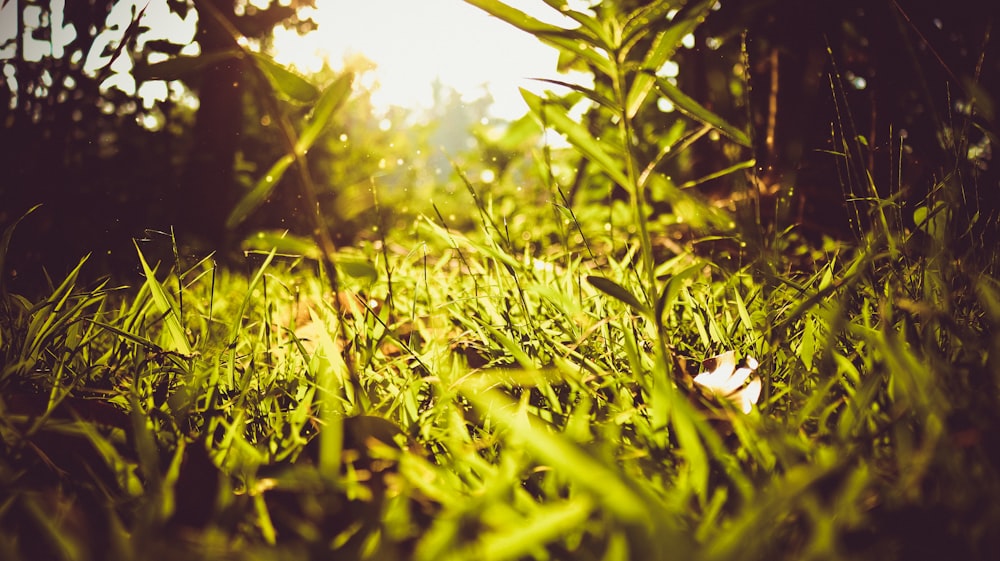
(102, 133)
(531, 387)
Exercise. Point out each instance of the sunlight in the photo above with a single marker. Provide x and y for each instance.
(414, 43)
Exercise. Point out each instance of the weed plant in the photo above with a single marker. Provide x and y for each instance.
(524, 389)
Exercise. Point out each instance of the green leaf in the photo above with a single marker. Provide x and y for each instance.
(931, 219)
(620, 293)
(696, 111)
(333, 97)
(514, 17)
(520, 132)
(175, 336)
(260, 192)
(720, 173)
(595, 29)
(640, 21)
(589, 93)
(571, 41)
(672, 288)
(664, 47)
(285, 81)
(357, 267)
(577, 135)
(283, 243)
(181, 66)
(547, 523)
(684, 423)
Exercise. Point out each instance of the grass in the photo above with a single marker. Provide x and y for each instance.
(523, 389)
(474, 395)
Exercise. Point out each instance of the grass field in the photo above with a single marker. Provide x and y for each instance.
(498, 394)
(557, 381)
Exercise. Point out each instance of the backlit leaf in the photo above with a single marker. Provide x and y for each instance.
(698, 112)
(333, 97)
(181, 66)
(570, 41)
(260, 192)
(175, 338)
(620, 293)
(577, 135)
(285, 81)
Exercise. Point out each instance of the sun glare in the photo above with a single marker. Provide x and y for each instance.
(414, 43)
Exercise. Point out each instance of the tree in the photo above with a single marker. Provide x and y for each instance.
(65, 136)
(106, 161)
(909, 85)
(209, 189)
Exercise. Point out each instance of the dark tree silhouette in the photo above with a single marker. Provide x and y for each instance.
(209, 189)
(891, 72)
(86, 150)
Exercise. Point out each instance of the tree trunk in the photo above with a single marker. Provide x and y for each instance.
(209, 190)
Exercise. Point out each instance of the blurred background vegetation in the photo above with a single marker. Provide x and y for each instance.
(109, 162)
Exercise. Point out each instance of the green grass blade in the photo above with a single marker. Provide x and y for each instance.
(260, 192)
(8, 233)
(606, 485)
(175, 336)
(332, 99)
(620, 293)
(579, 44)
(698, 112)
(664, 47)
(577, 135)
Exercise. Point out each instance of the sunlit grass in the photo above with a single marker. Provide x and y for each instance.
(551, 382)
(519, 405)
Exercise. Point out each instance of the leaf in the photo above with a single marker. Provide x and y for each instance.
(577, 135)
(571, 41)
(285, 81)
(547, 523)
(260, 192)
(514, 17)
(684, 423)
(664, 47)
(640, 20)
(698, 112)
(520, 132)
(594, 27)
(591, 94)
(176, 337)
(333, 97)
(673, 287)
(931, 219)
(741, 309)
(283, 243)
(720, 173)
(690, 206)
(181, 66)
(357, 267)
(51, 316)
(620, 293)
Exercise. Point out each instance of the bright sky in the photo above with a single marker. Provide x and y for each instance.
(413, 42)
